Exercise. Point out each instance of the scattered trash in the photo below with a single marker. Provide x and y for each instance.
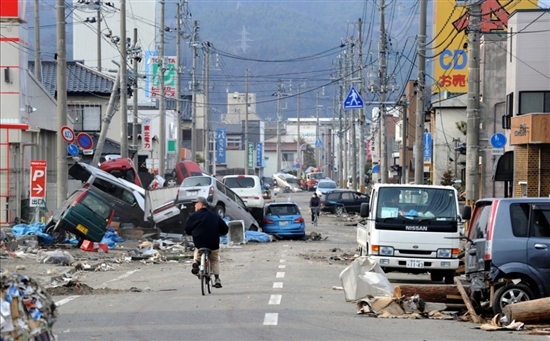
(365, 278)
(55, 257)
(26, 310)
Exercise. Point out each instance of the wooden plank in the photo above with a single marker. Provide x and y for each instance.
(466, 299)
(428, 293)
(533, 311)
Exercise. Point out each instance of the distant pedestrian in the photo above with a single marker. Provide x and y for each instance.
(314, 206)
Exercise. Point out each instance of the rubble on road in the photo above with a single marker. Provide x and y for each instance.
(26, 310)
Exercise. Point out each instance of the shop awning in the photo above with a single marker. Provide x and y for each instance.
(503, 169)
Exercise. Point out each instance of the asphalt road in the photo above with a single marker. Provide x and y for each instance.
(283, 290)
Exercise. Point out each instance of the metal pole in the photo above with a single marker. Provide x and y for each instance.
(99, 38)
(135, 103)
(279, 126)
(420, 97)
(194, 44)
(178, 83)
(404, 141)
(340, 126)
(383, 84)
(246, 127)
(61, 150)
(207, 98)
(123, 84)
(37, 58)
(298, 140)
(162, 110)
(317, 148)
(361, 152)
(472, 106)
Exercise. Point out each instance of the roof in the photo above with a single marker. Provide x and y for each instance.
(80, 78)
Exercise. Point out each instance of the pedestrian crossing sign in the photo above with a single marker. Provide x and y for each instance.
(318, 143)
(354, 100)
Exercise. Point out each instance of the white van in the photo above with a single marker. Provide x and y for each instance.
(249, 188)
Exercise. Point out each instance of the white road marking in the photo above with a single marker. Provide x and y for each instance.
(282, 261)
(280, 275)
(120, 277)
(275, 299)
(282, 266)
(66, 300)
(271, 319)
(286, 245)
(277, 285)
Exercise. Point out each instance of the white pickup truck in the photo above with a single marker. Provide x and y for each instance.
(412, 228)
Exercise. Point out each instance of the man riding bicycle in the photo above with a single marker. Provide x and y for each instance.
(314, 206)
(206, 228)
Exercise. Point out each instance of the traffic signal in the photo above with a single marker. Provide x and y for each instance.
(461, 148)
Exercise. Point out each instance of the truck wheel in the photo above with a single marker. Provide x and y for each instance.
(436, 276)
(509, 294)
(450, 276)
(220, 210)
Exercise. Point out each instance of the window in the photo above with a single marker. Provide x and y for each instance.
(288, 156)
(541, 222)
(234, 143)
(534, 102)
(347, 196)
(506, 119)
(519, 214)
(240, 182)
(86, 118)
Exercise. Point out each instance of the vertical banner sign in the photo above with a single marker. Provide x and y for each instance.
(152, 84)
(259, 154)
(250, 155)
(428, 148)
(146, 138)
(221, 143)
(38, 182)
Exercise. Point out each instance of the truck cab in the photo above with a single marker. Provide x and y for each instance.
(412, 228)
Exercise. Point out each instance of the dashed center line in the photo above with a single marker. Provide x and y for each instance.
(271, 319)
(280, 275)
(66, 300)
(277, 285)
(282, 266)
(282, 261)
(275, 299)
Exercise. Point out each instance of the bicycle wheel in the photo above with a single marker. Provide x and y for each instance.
(204, 282)
(203, 273)
(209, 277)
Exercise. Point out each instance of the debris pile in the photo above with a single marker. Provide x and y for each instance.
(26, 310)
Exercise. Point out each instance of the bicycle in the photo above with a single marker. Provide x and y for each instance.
(315, 211)
(205, 270)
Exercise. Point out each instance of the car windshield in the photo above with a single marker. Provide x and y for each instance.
(282, 210)
(97, 206)
(195, 181)
(417, 204)
(239, 182)
(317, 176)
(327, 184)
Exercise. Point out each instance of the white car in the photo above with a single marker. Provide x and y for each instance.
(285, 180)
(249, 188)
(325, 186)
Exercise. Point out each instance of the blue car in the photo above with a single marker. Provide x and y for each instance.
(284, 219)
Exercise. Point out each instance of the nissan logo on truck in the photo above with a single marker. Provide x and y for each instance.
(416, 228)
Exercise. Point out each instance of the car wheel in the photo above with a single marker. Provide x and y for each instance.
(509, 294)
(253, 228)
(220, 210)
(339, 210)
(171, 182)
(57, 232)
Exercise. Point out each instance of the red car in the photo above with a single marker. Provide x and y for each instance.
(182, 170)
(122, 168)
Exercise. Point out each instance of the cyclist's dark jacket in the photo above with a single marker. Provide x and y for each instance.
(206, 228)
(314, 202)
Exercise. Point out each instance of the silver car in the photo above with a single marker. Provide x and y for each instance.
(221, 199)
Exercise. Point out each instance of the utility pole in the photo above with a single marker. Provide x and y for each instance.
(472, 105)
(178, 83)
(99, 38)
(420, 97)
(279, 126)
(194, 44)
(123, 84)
(61, 149)
(404, 140)
(298, 142)
(383, 87)
(353, 132)
(346, 123)
(340, 124)
(162, 100)
(317, 148)
(246, 127)
(37, 58)
(207, 102)
(135, 101)
(361, 111)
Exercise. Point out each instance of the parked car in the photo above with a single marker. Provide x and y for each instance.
(287, 182)
(325, 186)
(84, 213)
(284, 219)
(222, 199)
(182, 170)
(267, 181)
(122, 168)
(343, 200)
(508, 250)
(249, 188)
(128, 198)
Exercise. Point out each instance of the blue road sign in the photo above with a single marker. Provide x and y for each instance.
(376, 169)
(354, 100)
(498, 140)
(72, 149)
(318, 143)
